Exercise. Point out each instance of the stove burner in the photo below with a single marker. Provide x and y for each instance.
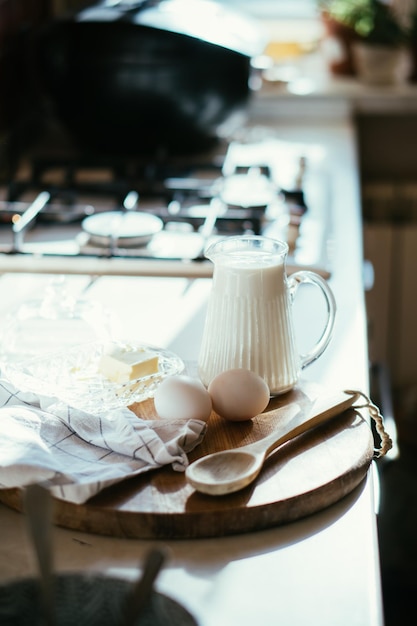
(123, 228)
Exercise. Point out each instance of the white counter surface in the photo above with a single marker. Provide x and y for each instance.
(322, 570)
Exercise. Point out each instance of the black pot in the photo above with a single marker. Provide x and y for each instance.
(140, 77)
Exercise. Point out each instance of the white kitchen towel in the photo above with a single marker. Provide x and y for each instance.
(77, 454)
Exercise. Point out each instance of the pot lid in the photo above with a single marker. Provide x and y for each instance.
(201, 19)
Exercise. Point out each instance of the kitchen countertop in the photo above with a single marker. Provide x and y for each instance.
(308, 88)
(323, 569)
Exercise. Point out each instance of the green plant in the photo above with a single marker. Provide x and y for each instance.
(371, 20)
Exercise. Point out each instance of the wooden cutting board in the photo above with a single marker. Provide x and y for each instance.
(304, 476)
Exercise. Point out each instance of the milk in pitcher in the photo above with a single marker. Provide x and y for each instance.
(249, 318)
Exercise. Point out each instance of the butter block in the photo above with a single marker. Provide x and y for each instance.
(121, 364)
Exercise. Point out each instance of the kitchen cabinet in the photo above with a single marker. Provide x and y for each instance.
(388, 173)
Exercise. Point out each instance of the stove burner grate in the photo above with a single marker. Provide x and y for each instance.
(51, 195)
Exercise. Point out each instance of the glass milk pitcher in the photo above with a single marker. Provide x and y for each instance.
(249, 318)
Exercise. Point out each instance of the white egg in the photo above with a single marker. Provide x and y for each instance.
(238, 394)
(182, 397)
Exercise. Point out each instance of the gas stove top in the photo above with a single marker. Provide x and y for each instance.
(120, 212)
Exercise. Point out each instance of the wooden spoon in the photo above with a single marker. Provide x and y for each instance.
(231, 470)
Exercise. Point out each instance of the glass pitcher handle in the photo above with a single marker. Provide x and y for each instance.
(305, 276)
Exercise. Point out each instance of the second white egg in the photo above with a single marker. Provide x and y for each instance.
(238, 394)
